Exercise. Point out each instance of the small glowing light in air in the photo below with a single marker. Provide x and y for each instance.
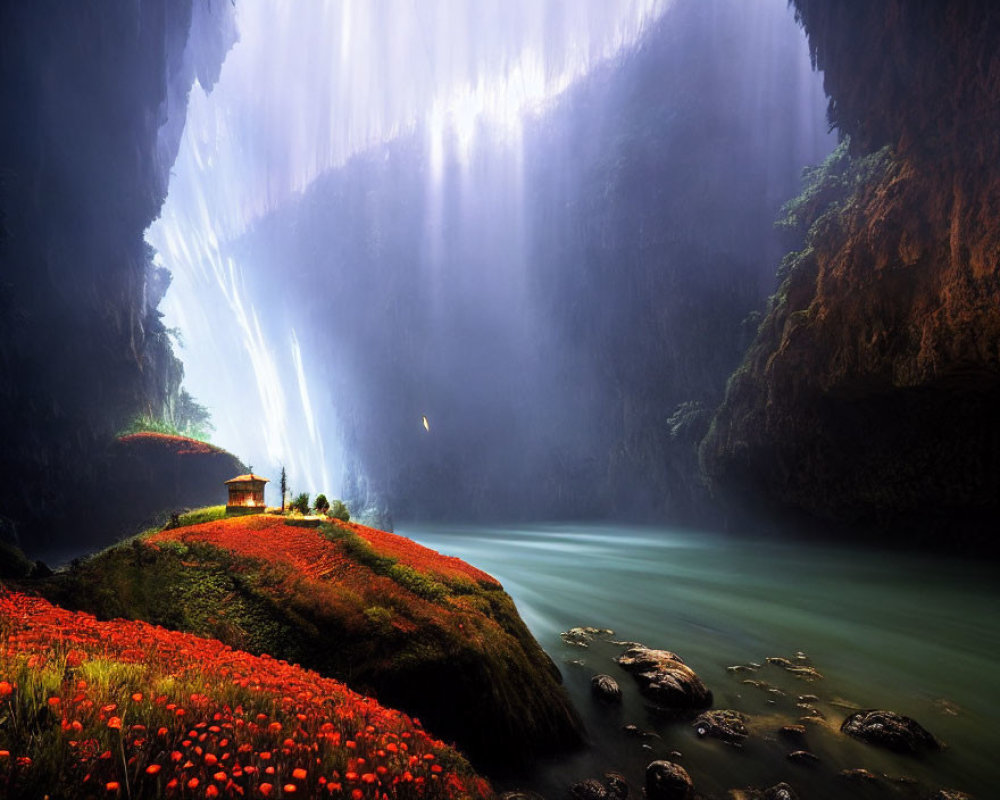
(427, 425)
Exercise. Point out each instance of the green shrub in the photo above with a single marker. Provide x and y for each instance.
(321, 505)
(300, 503)
(339, 511)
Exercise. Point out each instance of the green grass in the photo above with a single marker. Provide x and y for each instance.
(144, 423)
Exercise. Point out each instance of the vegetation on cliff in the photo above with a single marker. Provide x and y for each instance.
(423, 632)
(869, 394)
(99, 96)
(127, 709)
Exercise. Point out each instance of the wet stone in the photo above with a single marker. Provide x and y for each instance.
(803, 757)
(890, 730)
(792, 732)
(616, 785)
(723, 724)
(606, 689)
(589, 789)
(781, 791)
(666, 780)
(664, 678)
(859, 776)
(808, 674)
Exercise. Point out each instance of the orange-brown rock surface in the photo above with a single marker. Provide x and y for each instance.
(872, 390)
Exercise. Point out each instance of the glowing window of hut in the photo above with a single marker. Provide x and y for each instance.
(246, 494)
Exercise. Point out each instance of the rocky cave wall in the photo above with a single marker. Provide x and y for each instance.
(871, 393)
(93, 98)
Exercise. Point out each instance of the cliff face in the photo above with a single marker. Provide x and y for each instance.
(571, 308)
(870, 392)
(93, 101)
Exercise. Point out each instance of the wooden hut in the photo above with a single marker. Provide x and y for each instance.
(246, 494)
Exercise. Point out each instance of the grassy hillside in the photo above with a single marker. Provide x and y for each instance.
(126, 709)
(423, 632)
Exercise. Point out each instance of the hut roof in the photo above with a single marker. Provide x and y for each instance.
(248, 477)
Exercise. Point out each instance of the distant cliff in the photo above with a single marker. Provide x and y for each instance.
(870, 393)
(93, 98)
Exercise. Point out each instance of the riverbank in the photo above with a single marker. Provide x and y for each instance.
(913, 634)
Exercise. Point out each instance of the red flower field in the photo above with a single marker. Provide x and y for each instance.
(180, 445)
(270, 538)
(128, 709)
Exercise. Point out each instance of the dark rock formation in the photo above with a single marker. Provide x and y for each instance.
(780, 791)
(727, 725)
(795, 733)
(606, 689)
(666, 780)
(589, 789)
(150, 476)
(893, 731)
(93, 99)
(803, 757)
(616, 785)
(665, 679)
(869, 395)
(611, 787)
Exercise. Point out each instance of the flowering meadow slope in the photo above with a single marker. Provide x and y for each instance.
(126, 709)
(425, 633)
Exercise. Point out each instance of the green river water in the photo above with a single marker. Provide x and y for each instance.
(918, 635)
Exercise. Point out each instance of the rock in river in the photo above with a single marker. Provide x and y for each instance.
(729, 726)
(666, 780)
(780, 791)
(892, 731)
(665, 679)
(606, 689)
(613, 787)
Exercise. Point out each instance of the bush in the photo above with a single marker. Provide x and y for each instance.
(339, 511)
(300, 503)
(321, 505)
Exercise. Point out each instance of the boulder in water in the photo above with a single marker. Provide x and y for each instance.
(665, 679)
(780, 791)
(590, 789)
(729, 726)
(612, 787)
(890, 730)
(606, 689)
(666, 780)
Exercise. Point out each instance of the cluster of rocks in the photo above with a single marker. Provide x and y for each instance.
(672, 686)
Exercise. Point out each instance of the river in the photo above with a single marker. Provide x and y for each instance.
(918, 635)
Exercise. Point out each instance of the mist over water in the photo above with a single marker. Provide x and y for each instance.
(305, 88)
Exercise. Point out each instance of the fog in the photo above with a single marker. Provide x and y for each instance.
(491, 259)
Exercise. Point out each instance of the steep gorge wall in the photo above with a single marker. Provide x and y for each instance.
(872, 390)
(93, 98)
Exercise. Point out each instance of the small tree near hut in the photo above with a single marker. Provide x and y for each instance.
(300, 503)
(338, 510)
(321, 504)
(284, 489)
